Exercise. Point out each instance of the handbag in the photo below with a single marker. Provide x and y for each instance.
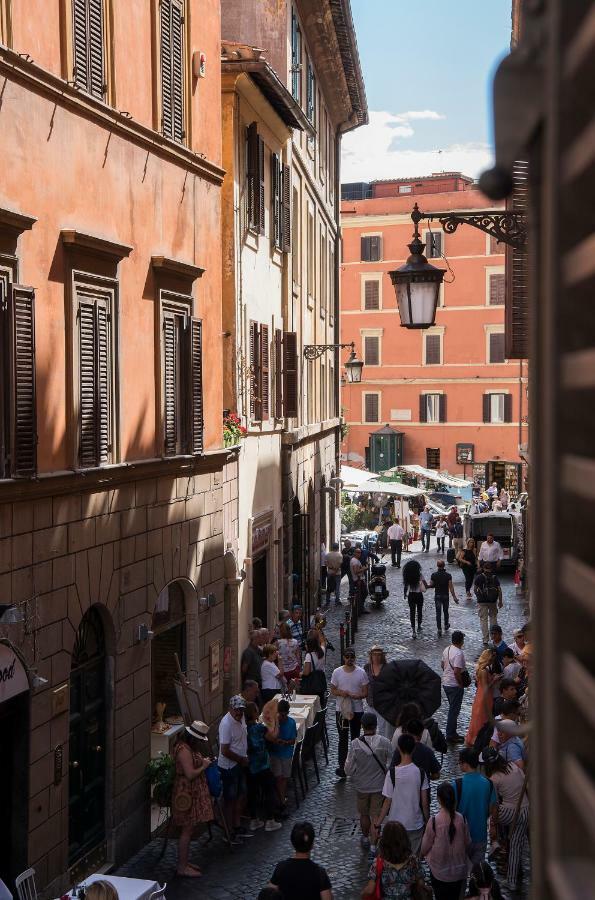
(465, 676)
(315, 681)
(378, 892)
(213, 776)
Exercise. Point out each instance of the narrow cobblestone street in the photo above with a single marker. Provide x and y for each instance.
(331, 806)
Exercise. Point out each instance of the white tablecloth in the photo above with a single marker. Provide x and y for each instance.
(127, 888)
(309, 702)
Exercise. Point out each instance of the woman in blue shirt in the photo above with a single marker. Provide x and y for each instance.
(261, 784)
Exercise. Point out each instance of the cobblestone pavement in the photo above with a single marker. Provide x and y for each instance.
(331, 806)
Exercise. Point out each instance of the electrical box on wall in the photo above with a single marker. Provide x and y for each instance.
(199, 64)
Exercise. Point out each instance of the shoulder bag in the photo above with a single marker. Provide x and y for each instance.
(365, 743)
(465, 676)
(315, 681)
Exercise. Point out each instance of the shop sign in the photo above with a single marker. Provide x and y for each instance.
(13, 678)
(261, 536)
(214, 655)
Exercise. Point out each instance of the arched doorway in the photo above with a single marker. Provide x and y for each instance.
(87, 743)
(169, 629)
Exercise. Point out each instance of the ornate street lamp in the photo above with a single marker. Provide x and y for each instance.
(417, 283)
(353, 365)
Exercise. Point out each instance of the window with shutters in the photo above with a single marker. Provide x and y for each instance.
(276, 189)
(18, 423)
(296, 256)
(255, 179)
(372, 407)
(372, 350)
(290, 375)
(496, 289)
(88, 47)
(371, 292)
(310, 93)
(278, 374)
(432, 349)
(494, 246)
(181, 363)
(324, 299)
(496, 347)
(296, 59)
(311, 254)
(497, 408)
(432, 408)
(260, 374)
(433, 457)
(172, 40)
(5, 23)
(371, 248)
(95, 314)
(434, 244)
(331, 394)
(517, 272)
(331, 280)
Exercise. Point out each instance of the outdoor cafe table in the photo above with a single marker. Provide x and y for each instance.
(308, 703)
(127, 888)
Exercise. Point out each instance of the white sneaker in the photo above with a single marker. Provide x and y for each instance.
(255, 824)
(272, 825)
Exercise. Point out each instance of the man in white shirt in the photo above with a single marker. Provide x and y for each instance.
(348, 682)
(425, 521)
(395, 536)
(453, 665)
(491, 551)
(233, 760)
(407, 795)
(367, 764)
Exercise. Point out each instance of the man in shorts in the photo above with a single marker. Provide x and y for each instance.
(367, 764)
(232, 762)
(281, 751)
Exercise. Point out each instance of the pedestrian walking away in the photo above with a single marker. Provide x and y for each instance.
(299, 878)
(423, 756)
(262, 796)
(485, 679)
(406, 795)
(483, 884)
(395, 873)
(358, 581)
(395, 537)
(442, 582)
(425, 520)
(441, 528)
(373, 669)
(367, 764)
(477, 801)
(334, 563)
(467, 559)
(349, 684)
(513, 810)
(445, 844)
(453, 666)
(414, 587)
(232, 762)
(282, 749)
(488, 592)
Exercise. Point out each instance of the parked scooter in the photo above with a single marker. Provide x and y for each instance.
(377, 584)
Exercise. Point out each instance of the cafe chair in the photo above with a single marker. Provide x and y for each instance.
(158, 894)
(322, 734)
(296, 776)
(309, 752)
(25, 885)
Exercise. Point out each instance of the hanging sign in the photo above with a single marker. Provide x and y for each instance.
(13, 677)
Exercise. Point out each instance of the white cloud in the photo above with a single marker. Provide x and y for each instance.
(379, 150)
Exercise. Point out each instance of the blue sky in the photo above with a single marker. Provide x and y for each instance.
(428, 68)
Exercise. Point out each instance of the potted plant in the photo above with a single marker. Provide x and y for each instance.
(233, 430)
(161, 772)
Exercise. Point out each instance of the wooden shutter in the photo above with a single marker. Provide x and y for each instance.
(433, 349)
(487, 407)
(365, 249)
(278, 373)
(255, 386)
(195, 380)
(95, 381)
(170, 388)
(21, 311)
(372, 350)
(264, 371)
(371, 295)
(508, 407)
(172, 69)
(497, 283)
(261, 216)
(286, 208)
(103, 383)
(423, 407)
(517, 273)
(276, 200)
(97, 85)
(88, 46)
(371, 411)
(497, 347)
(290, 374)
(375, 248)
(442, 407)
(80, 43)
(252, 176)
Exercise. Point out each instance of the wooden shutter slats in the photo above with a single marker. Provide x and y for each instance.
(433, 349)
(508, 407)
(371, 295)
(286, 208)
(95, 381)
(278, 373)
(23, 417)
(177, 62)
(264, 371)
(170, 411)
(197, 405)
(290, 374)
(166, 69)
(497, 289)
(423, 407)
(88, 47)
(487, 408)
(276, 199)
(371, 408)
(365, 249)
(497, 347)
(517, 273)
(442, 407)
(372, 350)
(103, 385)
(255, 385)
(80, 43)
(96, 49)
(261, 209)
(252, 177)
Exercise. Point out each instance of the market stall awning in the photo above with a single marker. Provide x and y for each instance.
(394, 488)
(431, 475)
(352, 477)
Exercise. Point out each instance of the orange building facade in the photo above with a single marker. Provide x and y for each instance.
(449, 394)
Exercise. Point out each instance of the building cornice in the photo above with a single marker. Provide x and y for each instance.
(305, 433)
(64, 94)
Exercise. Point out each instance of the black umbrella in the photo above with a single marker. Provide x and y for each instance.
(404, 681)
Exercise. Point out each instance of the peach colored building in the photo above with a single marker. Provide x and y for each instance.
(449, 397)
(118, 502)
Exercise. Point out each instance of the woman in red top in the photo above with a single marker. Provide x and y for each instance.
(191, 800)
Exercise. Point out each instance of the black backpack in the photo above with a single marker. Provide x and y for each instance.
(484, 736)
(436, 735)
(487, 591)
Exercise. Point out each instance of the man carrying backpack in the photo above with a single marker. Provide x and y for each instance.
(406, 795)
(489, 599)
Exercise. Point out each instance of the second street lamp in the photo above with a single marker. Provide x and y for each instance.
(353, 365)
(417, 284)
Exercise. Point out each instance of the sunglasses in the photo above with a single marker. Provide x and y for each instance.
(350, 656)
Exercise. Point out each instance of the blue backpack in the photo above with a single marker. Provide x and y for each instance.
(213, 776)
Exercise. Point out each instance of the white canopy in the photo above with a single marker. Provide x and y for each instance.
(352, 477)
(432, 475)
(394, 488)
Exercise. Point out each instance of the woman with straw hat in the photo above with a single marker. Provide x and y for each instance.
(191, 800)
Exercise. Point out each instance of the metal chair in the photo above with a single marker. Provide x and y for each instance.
(309, 752)
(322, 736)
(25, 885)
(296, 772)
(159, 893)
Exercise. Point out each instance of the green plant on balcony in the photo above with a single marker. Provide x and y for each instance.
(233, 430)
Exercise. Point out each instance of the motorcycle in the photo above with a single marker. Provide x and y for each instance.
(377, 584)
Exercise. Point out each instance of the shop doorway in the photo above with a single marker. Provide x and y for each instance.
(14, 755)
(260, 592)
(87, 744)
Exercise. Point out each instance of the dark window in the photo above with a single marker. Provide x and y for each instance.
(296, 59)
(372, 408)
(18, 425)
(497, 347)
(311, 94)
(88, 46)
(172, 69)
(434, 244)
(255, 179)
(372, 350)
(356, 190)
(96, 378)
(432, 408)
(372, 295)
(290, 374)
(433, 349)
(371, 248)
(497, 286)
(182, 381)
(433, 457)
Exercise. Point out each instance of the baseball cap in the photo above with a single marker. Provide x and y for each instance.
(237, 702)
